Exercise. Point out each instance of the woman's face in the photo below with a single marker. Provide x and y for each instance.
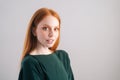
(47, 31)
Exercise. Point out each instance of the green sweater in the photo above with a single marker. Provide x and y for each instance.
(55, 66)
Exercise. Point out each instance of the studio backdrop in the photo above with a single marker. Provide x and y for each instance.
(90, 33)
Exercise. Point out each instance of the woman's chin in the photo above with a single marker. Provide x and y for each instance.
(49, 45)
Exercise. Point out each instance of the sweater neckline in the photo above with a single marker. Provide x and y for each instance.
(44, 54)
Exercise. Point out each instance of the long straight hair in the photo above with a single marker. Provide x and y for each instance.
(30, 42)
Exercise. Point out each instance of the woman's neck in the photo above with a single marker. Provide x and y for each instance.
(40, 50)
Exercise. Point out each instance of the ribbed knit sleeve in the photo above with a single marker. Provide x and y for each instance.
(29, 70)
(64, 57)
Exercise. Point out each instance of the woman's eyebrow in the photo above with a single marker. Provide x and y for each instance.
(50, 26)
(46, 25)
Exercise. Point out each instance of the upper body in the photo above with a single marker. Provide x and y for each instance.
(55, 66)
(40, 59)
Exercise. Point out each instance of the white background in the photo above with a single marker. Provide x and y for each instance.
(90, 33)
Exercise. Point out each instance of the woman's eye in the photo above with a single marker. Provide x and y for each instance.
(56, 29)
(45, 28)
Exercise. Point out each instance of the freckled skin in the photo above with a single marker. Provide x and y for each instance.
(47, 31)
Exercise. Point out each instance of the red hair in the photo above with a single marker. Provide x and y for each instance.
(30, 40)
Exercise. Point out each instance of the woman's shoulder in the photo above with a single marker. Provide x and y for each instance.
(28, 60)
(62, 54)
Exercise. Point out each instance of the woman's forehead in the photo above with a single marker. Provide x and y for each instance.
(49, 21)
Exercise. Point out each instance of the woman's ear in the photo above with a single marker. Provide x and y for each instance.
(34, 31)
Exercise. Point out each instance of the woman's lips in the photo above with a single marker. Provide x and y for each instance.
(50, 41)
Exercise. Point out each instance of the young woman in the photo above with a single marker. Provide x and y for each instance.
(40, 59)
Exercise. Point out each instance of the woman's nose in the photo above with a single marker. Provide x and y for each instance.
(51, 33)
